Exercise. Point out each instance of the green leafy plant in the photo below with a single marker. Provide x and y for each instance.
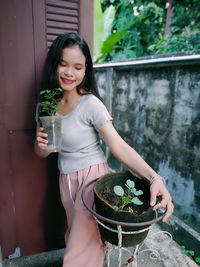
(49, 101)
(197, 260)
(129, 197)
(190, 253)
(176, 42)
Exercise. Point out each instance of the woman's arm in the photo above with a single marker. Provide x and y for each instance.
(123, 152)
(41, 142)
(128, 156)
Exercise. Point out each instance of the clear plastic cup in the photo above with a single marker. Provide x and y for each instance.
(52, 126)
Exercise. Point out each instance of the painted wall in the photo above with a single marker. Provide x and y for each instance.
(156, 109)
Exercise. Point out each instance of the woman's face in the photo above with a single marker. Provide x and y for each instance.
(71, 68)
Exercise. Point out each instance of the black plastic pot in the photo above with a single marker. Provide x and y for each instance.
(103, 208)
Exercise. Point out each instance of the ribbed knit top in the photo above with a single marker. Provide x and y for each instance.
(80, 138)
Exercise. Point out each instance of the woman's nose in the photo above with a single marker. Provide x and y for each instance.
(68, 72)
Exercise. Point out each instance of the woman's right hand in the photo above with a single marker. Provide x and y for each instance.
(41, 142)
(41, 138)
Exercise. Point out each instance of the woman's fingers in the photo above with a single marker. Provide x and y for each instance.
(170, 210)
(166, 204)
(159, 191)
(41, 138)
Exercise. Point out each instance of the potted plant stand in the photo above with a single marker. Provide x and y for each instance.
(123, 228)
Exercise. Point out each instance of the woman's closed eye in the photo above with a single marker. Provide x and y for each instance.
(79, 67)
(62, 64)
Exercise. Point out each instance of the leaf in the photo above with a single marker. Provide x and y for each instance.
(133, 190)
(190, 252)
(98, 27)
(45, 103)
(136, 201)
(108, 17)
(46, 91)
(115, 208)
(197, 259)
(119, 191)
(138, 193)
(182, 248)
(110, 42)
(130, 183)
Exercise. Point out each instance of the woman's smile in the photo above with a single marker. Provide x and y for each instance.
(67, 81)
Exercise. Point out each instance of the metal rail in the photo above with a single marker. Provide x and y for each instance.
(149, 61)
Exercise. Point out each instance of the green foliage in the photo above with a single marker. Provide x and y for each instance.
(173, 43)
(185, 29)
(131, 197)
(190, 253)
(49, 100)
(138, 28)
(135, 27)
(109, 44)
(98, 27)
(102, 27)
(186, 15)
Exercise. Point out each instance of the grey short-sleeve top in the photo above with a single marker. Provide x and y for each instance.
(80, 139)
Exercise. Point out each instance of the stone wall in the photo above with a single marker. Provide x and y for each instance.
(156, 109)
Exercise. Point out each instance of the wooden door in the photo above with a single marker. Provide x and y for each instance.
(31, 215)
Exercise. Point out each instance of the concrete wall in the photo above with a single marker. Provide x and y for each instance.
(156, 109)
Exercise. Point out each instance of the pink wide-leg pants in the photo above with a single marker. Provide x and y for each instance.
(84, 247)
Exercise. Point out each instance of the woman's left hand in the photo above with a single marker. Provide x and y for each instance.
(158, 189)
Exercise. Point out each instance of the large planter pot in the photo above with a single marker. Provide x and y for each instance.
(141, 222)
(52, 126)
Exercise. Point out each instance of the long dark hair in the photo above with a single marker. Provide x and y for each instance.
(49, 77)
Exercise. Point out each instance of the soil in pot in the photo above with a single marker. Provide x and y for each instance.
(105, 199)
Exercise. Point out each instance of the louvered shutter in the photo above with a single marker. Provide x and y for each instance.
(61, 16)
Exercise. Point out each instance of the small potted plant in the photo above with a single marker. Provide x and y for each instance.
(47, 117)
(122, 197)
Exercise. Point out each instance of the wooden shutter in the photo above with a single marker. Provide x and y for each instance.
(61, 16)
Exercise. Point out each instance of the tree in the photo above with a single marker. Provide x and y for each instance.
(169, 17)
(143, 28)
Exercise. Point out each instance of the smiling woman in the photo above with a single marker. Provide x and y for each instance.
(71, 69)
(81, 160)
